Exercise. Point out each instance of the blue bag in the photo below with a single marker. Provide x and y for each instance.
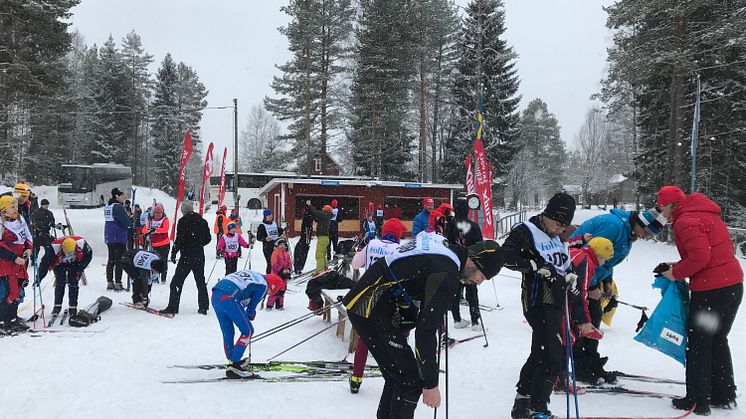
(665, 331)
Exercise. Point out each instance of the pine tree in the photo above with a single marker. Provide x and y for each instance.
(381, 137)
(110, 143)
(139, 84)
(486, 70)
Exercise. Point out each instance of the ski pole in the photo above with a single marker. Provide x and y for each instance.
(484, 330)
(440, 346)
(571, 366)
(211, 271)
(308, 338)
(641, 308)
(494, 288)
(288, 324)
(447, 385)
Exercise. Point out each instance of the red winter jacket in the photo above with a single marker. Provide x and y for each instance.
(707, 255)
(584, 262)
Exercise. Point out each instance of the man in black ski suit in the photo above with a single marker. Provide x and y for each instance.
(383, 306)
(192, 235)
(465, 232)
(42, 220)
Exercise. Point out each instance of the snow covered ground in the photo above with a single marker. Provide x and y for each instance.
(117, 373)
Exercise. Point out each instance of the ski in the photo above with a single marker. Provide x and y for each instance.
(453, 342)
(70, 330)
(51, 320)
(481, 306)
(279, 379)
(647, 378)
(148, 310)
(83, 278)
(682, 416)
(629, 391)
(64, 317)
(285, 365)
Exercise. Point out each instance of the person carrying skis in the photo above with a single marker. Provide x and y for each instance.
(144, 267)
(334, 229)
(267, 232)
(42, 220)
(382, 306)
(716, 284)
(465, 232)
(192, 235)
(234, 299)
(388, 244)
(159, 227)
(301, 248)
(323, 219)
(116, 231)
(535, 249)
(623, 228)
(420, 222)
(16, 247)
(68, 257)
(229, 248)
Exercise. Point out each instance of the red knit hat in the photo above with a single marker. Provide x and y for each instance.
(446, 209)
(334, 203)
(427, 201)
(393, 226)
(670, 194)
(435, 217)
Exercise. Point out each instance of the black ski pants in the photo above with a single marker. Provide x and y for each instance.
(544, 364)
(267, 250)
(64, 275)
(231, 265)
(140, 286)
(472, 297)
(709, 367)
(333, 241)
(585, 349)
(194, 263)
(328, 281)
(113, 266)
(388, 345)
(163, 253)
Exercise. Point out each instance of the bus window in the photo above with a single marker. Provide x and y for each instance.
(76, 179)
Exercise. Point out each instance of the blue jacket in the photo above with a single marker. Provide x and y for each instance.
(116, 229)
(248, 297)
(370, 229)
(615, 227)
(421, 223)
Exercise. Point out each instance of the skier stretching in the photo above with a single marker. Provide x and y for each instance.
(234, 299)
(68, 257)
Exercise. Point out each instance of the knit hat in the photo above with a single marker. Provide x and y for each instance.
(561, 208)
(187, 207)
(280, 241)
(275, 284)
(446, 209)
(267, 212)
(22, 189)
(158, 207)
(327, 208)
(44, 202)
(670, 194)
(602, 247)
(223, 209)
(427, 201)
(334, 203)
(7, 201)
(116, 192)
(230, 226)
(68, 245)
(436, 217)
(394, 227)
(652, 221)
(488, 256)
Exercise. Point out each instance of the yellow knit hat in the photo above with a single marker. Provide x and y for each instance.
(68, 245)
(602, 247)
(7, 201)
(22, 189)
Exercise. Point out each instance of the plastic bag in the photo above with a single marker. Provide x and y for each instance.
(665, 331)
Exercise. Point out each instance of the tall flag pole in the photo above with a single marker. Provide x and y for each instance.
(695, 133)
(186, 152)
(221, 194)
(483, 179)
(205, 176)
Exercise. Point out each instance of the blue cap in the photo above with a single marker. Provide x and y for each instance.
(267, 212)
(652, 221)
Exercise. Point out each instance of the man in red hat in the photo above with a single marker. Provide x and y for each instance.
(421, 221)
(716, 284)
(334, 229)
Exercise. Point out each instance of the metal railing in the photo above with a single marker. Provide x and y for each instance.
(504, 224)
(738, 235)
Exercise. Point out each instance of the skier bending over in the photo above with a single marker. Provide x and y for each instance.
(234, 299)
(144, 267)
(68, 258)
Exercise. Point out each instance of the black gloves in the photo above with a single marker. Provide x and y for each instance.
(662, 267)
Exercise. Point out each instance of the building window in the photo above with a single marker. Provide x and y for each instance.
(317, 164)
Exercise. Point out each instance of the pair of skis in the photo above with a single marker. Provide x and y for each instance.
(57, 315)
(148, 310)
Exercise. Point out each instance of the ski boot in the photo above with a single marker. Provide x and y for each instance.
(355, 383)
(72, 311)
(475, 326)
(202, 311)
(17, 325)
(559, 387)
(520, 407)
(730, 404)
(118, 287)
(56, 309)
(702, 407)
(461, 324)
(109, 286)
(239, 370)
(542, 415)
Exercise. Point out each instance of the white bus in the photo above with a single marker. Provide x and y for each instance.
(89, 186)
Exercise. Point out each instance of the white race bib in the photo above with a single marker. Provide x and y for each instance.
(550, 248)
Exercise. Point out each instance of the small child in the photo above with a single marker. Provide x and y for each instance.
(229, 248)
(585, 260)
(282, 266)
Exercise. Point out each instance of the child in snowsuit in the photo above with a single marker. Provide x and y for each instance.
(282, 266)
(229, 248)
(234, 299)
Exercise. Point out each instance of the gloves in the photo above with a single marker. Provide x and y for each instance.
(662, 267)
(612, 304)
(24, 284)
(547, 271)
(219, 254)
(572, 283)
(173, 257)
(59, 226)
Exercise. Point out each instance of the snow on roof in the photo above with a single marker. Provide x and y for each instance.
(618, 178)
(362, 182)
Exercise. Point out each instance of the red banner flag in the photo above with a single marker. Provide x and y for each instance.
(484, 188)
(186, 152)
(470, 188)
(221, 194)
(205, 176)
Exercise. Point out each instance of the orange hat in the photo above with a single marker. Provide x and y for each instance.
(275, 284)
(22, 189)
(393, 226)
(327, 208)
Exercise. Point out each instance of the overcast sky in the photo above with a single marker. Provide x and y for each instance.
(234, 46)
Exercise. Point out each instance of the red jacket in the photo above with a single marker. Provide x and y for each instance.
(584, 262)
(707, 255)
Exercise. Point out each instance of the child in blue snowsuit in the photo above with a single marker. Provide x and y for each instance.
(234, 299)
